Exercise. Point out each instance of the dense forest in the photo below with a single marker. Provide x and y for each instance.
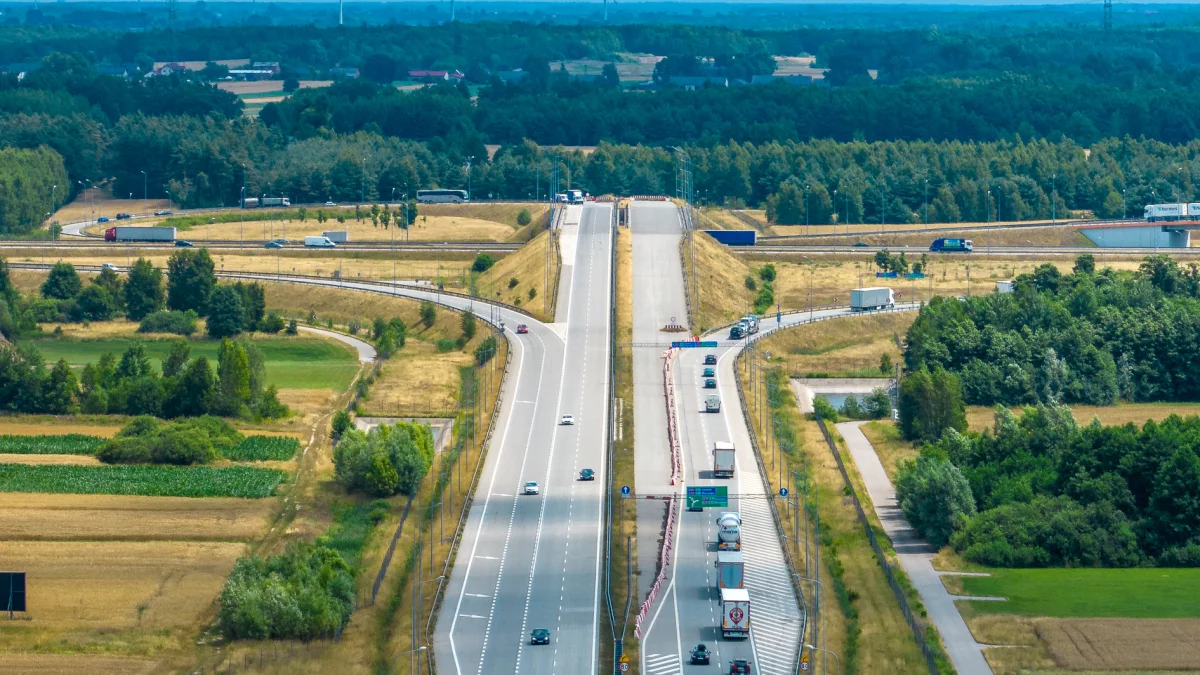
(1094, 336)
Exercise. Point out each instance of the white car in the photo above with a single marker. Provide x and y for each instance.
(109, 266)
(531, 488)
(567, 419)
(330, 204)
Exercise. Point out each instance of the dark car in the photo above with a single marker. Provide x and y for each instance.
(859, 243)
(541, 636)
(587, 474)
(522, 329)
(274, 244)
(123, 216)
(710, 383)
(738, 666)
(183, 243)
(710, 372)
(162, 213)
(701, 655)
(710, 359)
(102, 219)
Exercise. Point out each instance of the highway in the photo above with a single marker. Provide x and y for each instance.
(687, 611)
(529, 562)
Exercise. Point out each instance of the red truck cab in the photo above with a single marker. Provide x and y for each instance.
(110, 234)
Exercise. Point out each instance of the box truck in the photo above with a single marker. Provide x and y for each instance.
(723, 456)
(342, 237)
(127, 233)
(864, 299)
(319, 242)
(730, 569)
(735, 613)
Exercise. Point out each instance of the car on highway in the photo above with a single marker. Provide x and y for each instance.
(522, 329)
(123, 216)
(162, 213)
(109, 266)
(710, 359)
(567, 420)
(710, 383)
(531, 488)
(102, 219)
(539, 636)
(739, 666)
(710, 372)
(701, 655)
(859, 243)
(281, 240)
(274, 244)
(587, 474)
(183, 243)
(330, 204)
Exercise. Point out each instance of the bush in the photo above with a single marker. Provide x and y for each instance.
(340, 425)
(291, 328)
(934, 496)
(486, 350)
(512, 283)
(304, 593)
(167, 321)
(823, 409)
(273, 323)
(483, 262)
(1181, 556)
(1049, 532)
(524, 217)
(145, 440)
(93, 304)
(406, 447)
(428, 313)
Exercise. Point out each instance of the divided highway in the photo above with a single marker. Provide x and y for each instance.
(533, 561)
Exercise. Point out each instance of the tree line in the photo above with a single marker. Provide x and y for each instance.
(33, 184)
(1092, 336)
(1038, 491)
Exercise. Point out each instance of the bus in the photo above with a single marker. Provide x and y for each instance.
(442, 196)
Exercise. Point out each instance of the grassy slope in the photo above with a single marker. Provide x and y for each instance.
(527, 266)
(849, 346)
(723, 294)
(892, 450)
(1134, 593)
(292, 363)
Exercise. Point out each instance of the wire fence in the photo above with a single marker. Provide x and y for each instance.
(930, 652)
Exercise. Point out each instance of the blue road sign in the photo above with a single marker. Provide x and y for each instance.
(915, 275)
(783, 492)
(886, 275)
(624, 489)
(693, 344)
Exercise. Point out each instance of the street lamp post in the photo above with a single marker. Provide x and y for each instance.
(834, 654)
(1053, 202)
(363, 199)
(1124, 210)
(806, 232)
(145, 186)
(926, 203)
(469, 160)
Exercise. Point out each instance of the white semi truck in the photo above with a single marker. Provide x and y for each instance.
(866, 299)
(729, 532)
(735, 613)
(723, 459)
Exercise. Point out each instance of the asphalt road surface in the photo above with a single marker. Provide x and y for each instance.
(529, 562)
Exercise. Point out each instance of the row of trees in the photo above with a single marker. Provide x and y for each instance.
(33, 183)
(387, 460)
(1038, 490)
(1087, 337)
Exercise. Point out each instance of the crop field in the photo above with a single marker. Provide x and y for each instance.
(982, 417)
(1122, 644)
(292, 363)
(67, 444)
(162, 481)
(261, 448)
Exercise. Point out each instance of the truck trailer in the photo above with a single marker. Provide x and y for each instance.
(730, 569)
(735, 613)
(941, 245)
(341, 237)
(729, 532)
(723, 459)
(255, 202)
(866, 299)
(128, 233)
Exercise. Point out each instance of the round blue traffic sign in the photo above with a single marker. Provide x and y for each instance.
(783, 492)
(624, 489)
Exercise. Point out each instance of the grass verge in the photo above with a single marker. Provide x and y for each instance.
(1159, 593)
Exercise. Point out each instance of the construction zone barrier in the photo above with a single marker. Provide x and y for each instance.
(672, 419)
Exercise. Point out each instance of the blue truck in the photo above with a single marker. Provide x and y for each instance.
(942, 245)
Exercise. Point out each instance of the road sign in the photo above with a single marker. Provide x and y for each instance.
(623, 664)
(915, 275)
(694, 344)
(886, 275)
(625, 489)
(783, 492)
(702, 496)
(804, 662)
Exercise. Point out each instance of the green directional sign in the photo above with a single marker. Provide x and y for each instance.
(707, 496)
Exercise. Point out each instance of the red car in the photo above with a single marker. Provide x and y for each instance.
(738, 666)
(522, 329)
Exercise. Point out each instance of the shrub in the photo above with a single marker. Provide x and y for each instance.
(934, 496)
(486, 350)
(407, 448)
(512, 283)
(341, 424)
(446, 345)
(483, 262)
(93, 304)
(823, 409)
(524, 217)
(145, 440)
(273, 323)
(167, 321)
(291, 327)
(428, 313)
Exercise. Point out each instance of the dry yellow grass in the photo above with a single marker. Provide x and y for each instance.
(347, 305)
(1002, 629)
(720, 219)
(116, 517)
(418, 382)
(892, 450)
(842, 346)
(61, 460)
(723, 293)
(528, 267)
(69, 664)
(982, 417)
(49, 425)
(118, 585)
(1022, 660)
(101, 203)
(1078, 644)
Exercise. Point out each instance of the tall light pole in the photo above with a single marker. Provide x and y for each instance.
(243, 185)
(469, 160)
(834, 654)
(835, 210)
(806, 230)
(1124, 210)
(927, 203)
(145, 187)
(1053, 201)
(363, 200)
(392, 199)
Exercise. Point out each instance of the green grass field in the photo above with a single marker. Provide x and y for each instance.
(291, 363)
(1159, 593)
(146, 480)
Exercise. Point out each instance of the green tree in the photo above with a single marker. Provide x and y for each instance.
(1085, 264)
(483, 262)
(935, 497)
(233, 378)
(190, 281)
(94, 304)
(929, 404)
(468, 325)
(144, 291)
(524, 217)
(254, 303)
(62, 390)
(63, 282)
(111, 282)
(609, 74)
(177, 359)
(1174, 509)
(341, 424)
(428, 313)
(382, 479)
(226, 315)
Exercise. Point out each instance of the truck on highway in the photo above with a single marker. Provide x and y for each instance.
(750, 321)
(866, 299)
(128, 233)
(575, 196)
(341, 237)
(712, 404)
(735, 613)
(942, 245)
(723, 456)
(730, 569)
(255, 202)
(319, 242)
(729, 532)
